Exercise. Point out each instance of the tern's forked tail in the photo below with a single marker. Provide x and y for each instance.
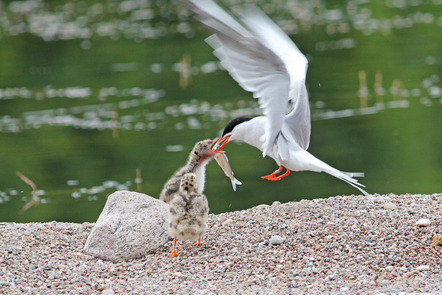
(345, 176)
(354, 183)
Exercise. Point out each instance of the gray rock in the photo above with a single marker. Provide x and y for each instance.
(130, 226)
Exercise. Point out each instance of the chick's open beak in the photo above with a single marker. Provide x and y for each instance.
(212, 149)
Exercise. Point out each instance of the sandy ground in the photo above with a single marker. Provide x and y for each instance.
(339, 245)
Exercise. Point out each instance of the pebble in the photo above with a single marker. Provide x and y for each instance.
(179, 275)
(436, 240)
(108, 292)
(423, 268)
(276, 203)
(423, 222)
(389, 268)
(276, 240)
(227, 222)
(379, 199)
(390, 206)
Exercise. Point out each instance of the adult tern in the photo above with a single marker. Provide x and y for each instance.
(265, 61)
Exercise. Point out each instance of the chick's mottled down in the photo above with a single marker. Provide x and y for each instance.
(188, 212)
(198, 159)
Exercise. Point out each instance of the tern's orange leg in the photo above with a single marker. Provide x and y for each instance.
(281, 176)
(273, 176)
(199, 243)
(174, 253)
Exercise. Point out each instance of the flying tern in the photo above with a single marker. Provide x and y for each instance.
(265, 61)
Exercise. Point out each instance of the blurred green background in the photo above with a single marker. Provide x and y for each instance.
(93, 91)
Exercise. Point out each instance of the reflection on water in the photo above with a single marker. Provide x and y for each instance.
(97, 97)
(103, 115)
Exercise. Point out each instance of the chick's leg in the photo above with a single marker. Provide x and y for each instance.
(174, 253)
(199, 243)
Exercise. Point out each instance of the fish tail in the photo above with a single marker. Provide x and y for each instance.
(235, 182)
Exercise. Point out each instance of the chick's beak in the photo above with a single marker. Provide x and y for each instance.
(212, 149)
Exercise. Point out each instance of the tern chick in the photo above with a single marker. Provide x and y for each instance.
(199, 157)
(188, 212)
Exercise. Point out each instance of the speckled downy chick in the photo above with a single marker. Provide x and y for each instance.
(188, 212)
(200, 156)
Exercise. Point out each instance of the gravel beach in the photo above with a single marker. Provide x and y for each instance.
(339, 245)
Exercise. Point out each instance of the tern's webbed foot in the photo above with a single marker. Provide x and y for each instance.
(273, 176)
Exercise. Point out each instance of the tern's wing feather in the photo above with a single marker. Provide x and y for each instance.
(260, 57)
(297, 124)
(274, 39)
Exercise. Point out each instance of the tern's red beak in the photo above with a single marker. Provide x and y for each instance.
(222, 142)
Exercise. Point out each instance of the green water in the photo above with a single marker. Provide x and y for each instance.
(90, 92)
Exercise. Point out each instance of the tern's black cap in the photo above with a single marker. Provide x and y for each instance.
(233, 123)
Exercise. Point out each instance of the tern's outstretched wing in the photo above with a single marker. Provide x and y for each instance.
(261, 58)
(297, 125)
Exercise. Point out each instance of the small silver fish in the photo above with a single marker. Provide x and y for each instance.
(223, 162)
